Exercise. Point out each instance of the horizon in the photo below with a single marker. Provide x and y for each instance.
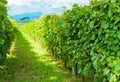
(46, 7)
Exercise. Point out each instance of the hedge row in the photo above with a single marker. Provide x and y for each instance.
(86, 37)
(7, 31)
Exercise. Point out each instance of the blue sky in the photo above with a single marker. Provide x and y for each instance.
(44, 6)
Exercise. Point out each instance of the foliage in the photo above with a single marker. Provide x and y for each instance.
(88, 36)
(7, 31)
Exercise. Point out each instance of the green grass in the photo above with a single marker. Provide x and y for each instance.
(29, 62)
(22, 22)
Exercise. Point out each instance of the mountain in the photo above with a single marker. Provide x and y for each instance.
(27, 16)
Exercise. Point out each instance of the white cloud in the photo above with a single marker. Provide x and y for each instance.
(45, 6)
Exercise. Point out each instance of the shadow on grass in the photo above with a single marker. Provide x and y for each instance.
(26, 65)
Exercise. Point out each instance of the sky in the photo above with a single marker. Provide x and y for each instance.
(44, 6)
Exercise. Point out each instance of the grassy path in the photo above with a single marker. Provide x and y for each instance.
(28, 62)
